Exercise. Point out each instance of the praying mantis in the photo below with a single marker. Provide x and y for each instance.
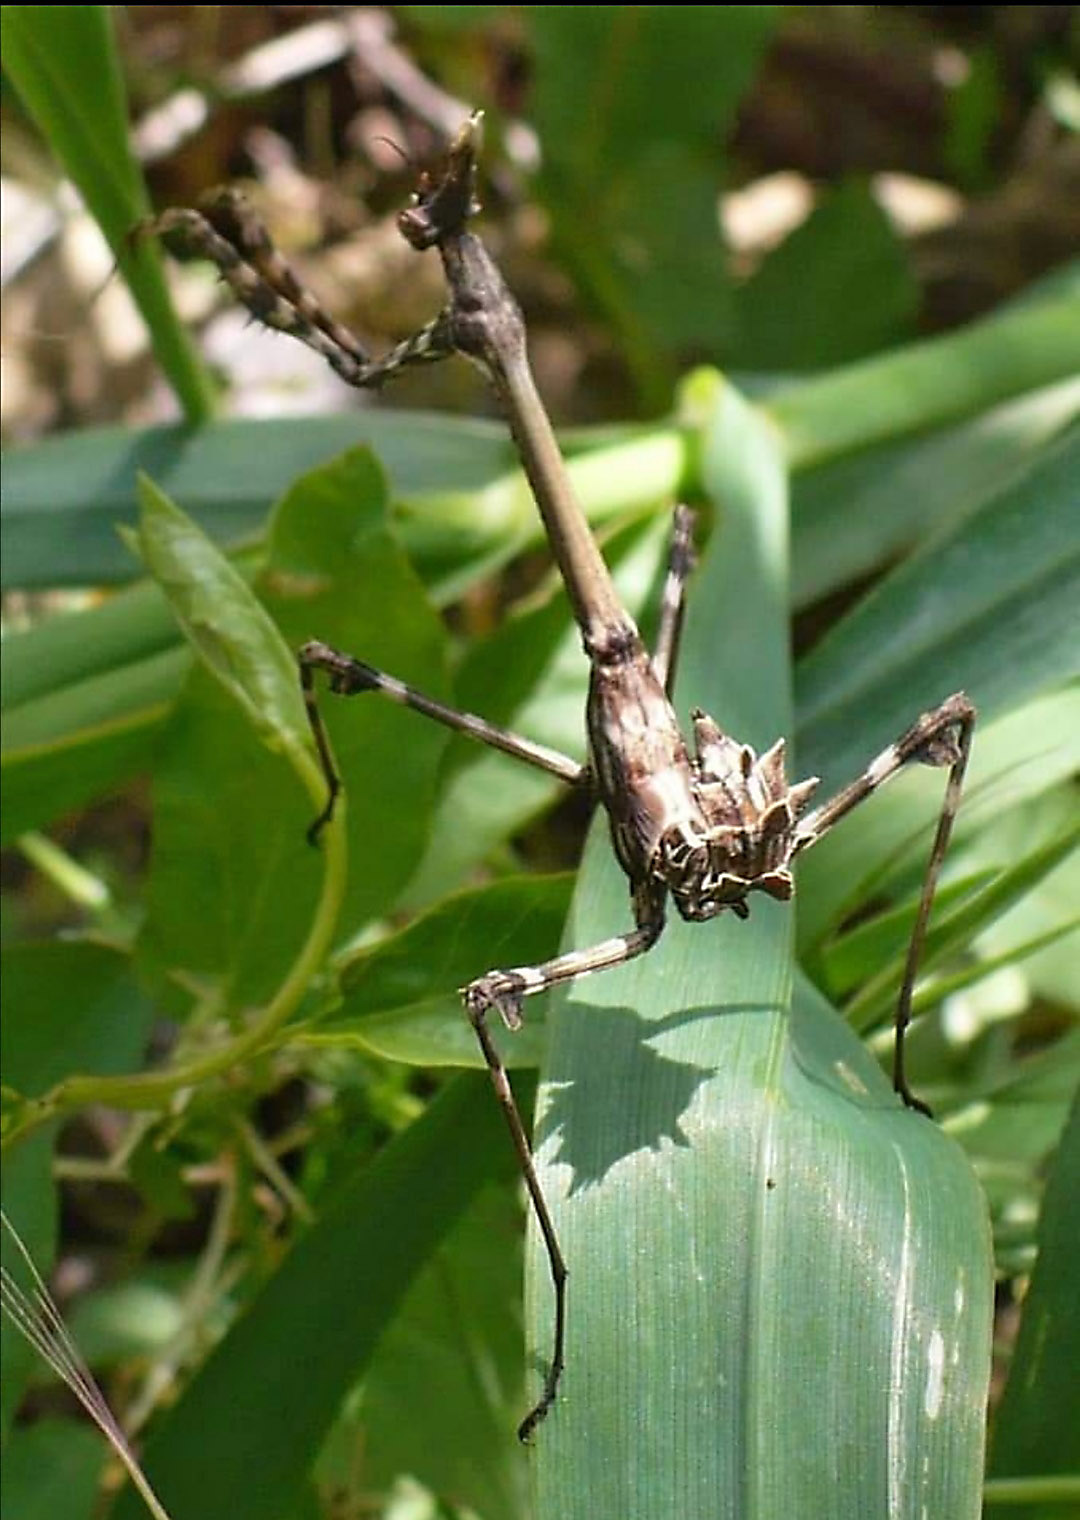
(705, 822)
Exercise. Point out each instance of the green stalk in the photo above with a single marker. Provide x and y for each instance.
(152, 1089)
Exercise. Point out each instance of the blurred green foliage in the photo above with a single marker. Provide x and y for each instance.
(283, 1021)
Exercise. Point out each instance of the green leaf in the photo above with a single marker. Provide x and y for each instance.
(31, 1204)
(322, 1314)
(613, 480)
(884, 845)
(1057, 940)
(1008, 576)
(1020, 1118)
(140, 1318)
(68, 1007)
(75, 744)
(989, 607)
(1037, 1430)
(610, 86)
(64, 497)
(836, 288)
(928, 384)
(974, 107)
(334, 571)
(232, 880)
(402, 997)
(85, 696)
(233, 636)
(443, 1395)
(72, 1006)
(761, 1243)
(53, 1471)
(853, 515)
(954, 927)
(440, 20)
(863, 949)
(663, 277)
(88, 692)
(460, 499)
(76, 646)
(1050, 908)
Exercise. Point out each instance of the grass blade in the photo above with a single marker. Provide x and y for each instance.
(63, 63)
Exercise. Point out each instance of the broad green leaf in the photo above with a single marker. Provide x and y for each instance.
(259, 1409)
(232, 880)
(71, 1005)
(401, 998)
(1037, 1428)
(63, 64)
(774, 1269)
(235, 847)
(136, 623)
(89, 691)
(85, 696)
(653, 73)
(660, 269)
(444, 1391)
(836, 288)
(334, 571)
(238, 847)
(53, 1470)
(64, 497)
(234, 637)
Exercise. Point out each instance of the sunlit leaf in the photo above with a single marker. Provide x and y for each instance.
(756, 1231)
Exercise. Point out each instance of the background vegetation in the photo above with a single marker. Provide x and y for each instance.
(282, 1221)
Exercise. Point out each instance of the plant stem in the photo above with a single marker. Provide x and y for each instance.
(152, 1089)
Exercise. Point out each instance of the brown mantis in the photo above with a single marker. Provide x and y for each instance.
(706, 823)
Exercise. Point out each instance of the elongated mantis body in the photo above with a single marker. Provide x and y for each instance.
(707, 823)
